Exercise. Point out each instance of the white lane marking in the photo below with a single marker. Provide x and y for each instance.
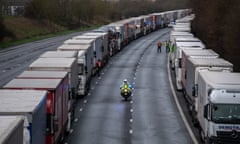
(102, 73)
(76, 120)
(131, 120)
(134, 78)
(80, 109)
(131, 102)
(93, 88)
(130, 131)
(65, 143)
(180, 109)
(89, 94)
(85, 101)
(4, 71)
(99, 77)
(96, 82)
(131, 110)
(134, 83)
(71, 131)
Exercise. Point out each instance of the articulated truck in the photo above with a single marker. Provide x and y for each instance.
(218, 107)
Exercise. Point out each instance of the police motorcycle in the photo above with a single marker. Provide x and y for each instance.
(126, 90)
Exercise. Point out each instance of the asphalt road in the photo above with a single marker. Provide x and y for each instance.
(16, 59)
(149, 117)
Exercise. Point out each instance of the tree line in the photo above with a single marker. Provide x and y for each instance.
(75, 13)
(217, 23)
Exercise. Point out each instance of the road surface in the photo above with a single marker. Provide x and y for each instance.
(149, 117)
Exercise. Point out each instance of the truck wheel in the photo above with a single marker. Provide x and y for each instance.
(202, 137)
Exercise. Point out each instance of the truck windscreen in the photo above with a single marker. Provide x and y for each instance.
(226, 113)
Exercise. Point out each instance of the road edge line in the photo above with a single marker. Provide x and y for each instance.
(179, 107)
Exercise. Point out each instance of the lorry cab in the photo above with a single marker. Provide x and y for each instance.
(219, 107)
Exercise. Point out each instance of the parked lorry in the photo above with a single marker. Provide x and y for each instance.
(105, 44)
(86, 45)
(193, 67)
(59, 54)
(31, 104)
(194, 53)
(97, 47)
(54, 75)
(59, 64)
(84, 62)
(218, 106)
(178, 58)
(11, 129)
(56, 104)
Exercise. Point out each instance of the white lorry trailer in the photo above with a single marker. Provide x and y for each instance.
(218, 107)
(84, 62)
(59, 54)
(11, 129)
(97, 46)
(105, 44)
(193, 53)
(31, 104)
(178, 58)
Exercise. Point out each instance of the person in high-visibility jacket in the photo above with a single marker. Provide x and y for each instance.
(172, 48)
(126, 86)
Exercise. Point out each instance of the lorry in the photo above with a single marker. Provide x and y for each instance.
(56, 109)
(178, 58)
(53, 75)
(97, 46)
(193, 67)
(105, 44)
(59, 64)
(31, 105)
(85, 45)
(84, 63)
(193, 53)
(11, 129)
(218, 106)
(59, 54)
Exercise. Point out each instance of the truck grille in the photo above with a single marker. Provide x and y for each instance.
(232, 136)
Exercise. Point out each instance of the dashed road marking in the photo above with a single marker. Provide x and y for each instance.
(80, 109)
(131, 120)
(130, 131)
(89, 94)
(71, 131)
(85, 101)
(96, 82)
(76, 120)
(131, 110)
(131, 102)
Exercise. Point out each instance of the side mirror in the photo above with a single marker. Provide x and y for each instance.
(194, 90)
(180, 63)
(205, 114)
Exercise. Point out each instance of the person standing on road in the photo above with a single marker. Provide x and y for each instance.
(166, 46)
(159, 46)
(99, 65)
